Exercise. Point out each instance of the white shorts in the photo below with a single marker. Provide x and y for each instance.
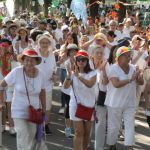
(48, 100)
(72, 111)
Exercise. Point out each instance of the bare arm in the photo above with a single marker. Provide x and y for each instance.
(43, 100)
(3, 83)
(119, 83)
(89, 83)
(87, 44)
(17, 47)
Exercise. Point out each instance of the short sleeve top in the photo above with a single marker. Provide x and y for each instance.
(84, 95)
(20, 101)
(124, 96)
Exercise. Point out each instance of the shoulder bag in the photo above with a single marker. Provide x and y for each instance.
(82, 111)
(35, 115)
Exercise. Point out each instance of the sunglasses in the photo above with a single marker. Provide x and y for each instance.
(81, 59)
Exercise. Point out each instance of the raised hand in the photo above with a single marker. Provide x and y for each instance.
(76, 72)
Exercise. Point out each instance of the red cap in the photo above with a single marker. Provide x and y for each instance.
(82, 53)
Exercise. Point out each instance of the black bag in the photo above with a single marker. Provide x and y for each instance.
(101, 98)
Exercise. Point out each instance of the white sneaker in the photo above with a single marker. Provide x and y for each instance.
(62, 110)
(12, 131)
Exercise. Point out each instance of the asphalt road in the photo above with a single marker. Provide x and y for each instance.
(58, 141)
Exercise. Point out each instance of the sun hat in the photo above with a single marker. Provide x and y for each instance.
(48, 37)
(64, 27)
(30, 53)
(137, 37)
(72, 46)
(100, 36)
(122, 50)
(12, 25)
(22, 28)
(82, 53)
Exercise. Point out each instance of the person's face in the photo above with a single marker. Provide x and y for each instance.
(113, 27)
(84, 39)
(98, 53)
(69, 39)
(137, 43)
(42, 27)
(72, 53)
(128, 24)
(65, 31)
(120, 28)
(29, 62)
(110, 38)
(81, 61)
(49, 27)
(125, 58)
(22, 33)
(99, 42)
(13, 30)
(44, 44)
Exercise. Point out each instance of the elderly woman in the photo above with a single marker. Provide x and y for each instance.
(100, 64)
(48, 67)
(121, 98)
(82, 78)
(27, 73)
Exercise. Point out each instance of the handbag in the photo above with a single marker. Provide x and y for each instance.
(83, 112)
(101, 98)
(35, 115)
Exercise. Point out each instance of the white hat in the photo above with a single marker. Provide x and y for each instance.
(72, 46)
(64, 27)
(51, 40)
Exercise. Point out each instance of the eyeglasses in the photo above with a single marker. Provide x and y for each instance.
(81, 59)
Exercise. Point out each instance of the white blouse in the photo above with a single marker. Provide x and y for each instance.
(124, 96)
(84, 95)
(20, 103)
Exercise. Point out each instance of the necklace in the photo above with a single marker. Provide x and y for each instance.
(30, 83)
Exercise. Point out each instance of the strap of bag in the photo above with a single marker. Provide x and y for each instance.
(74, 92)
(26, 85)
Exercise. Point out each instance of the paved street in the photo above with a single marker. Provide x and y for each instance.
(58, 141)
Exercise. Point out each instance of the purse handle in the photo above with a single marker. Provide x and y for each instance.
(74, 92)
(26, 86)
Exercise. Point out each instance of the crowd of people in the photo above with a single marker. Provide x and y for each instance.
(103, 68)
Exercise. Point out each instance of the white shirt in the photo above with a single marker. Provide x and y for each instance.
(20, 103)
(124, 96)
(142, 63)
(86, 96)
(66, 91)
(127, 31)
(48, 67)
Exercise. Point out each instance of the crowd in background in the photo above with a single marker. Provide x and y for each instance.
(103, 64)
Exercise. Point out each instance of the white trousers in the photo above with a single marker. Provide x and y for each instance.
(115, 115)
(100, 127)
(26, 136)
